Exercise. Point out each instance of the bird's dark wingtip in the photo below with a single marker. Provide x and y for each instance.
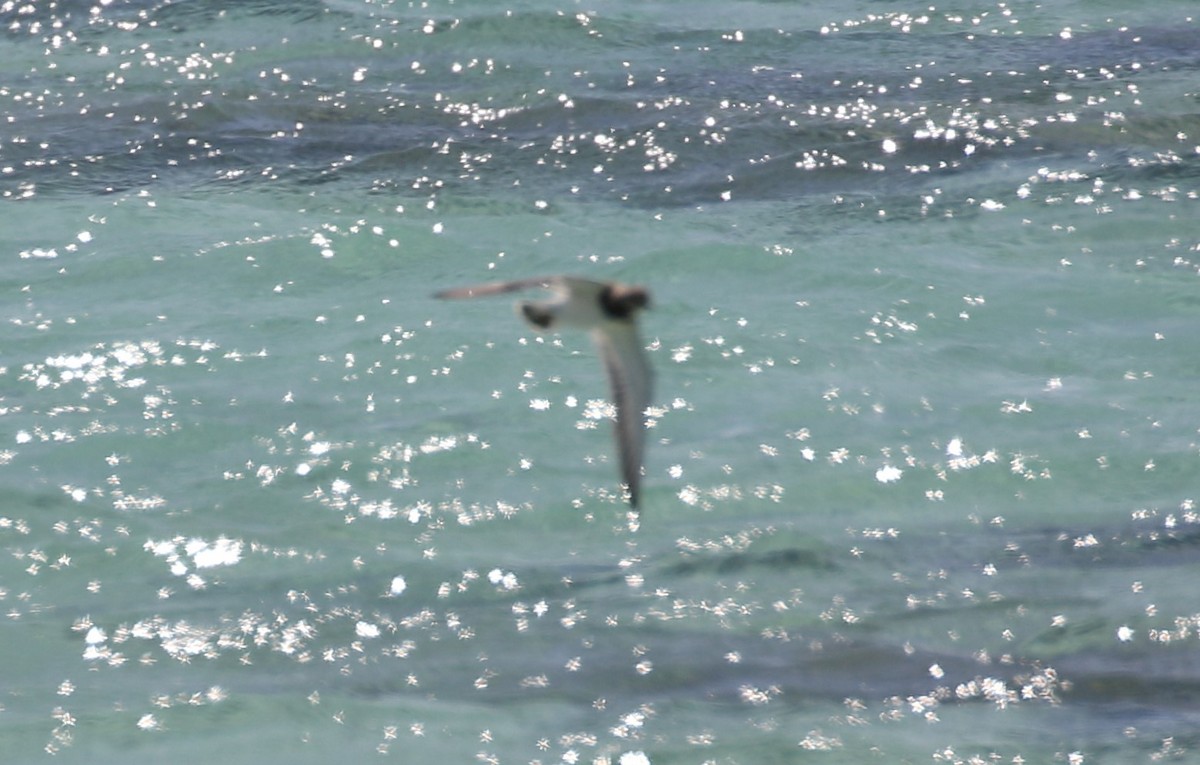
(631, 495)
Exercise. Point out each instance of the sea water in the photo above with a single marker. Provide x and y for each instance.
(920, 482)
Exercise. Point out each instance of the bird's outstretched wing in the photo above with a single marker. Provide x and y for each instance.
(500, 288)
(630, 378)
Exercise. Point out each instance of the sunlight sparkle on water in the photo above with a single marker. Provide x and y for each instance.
(872, 170)
(888, 474)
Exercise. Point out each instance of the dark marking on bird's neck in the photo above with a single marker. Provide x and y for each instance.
(619, 301)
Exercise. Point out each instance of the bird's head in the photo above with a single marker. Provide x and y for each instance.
(622, 301)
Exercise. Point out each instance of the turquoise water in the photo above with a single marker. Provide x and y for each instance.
(921, 481)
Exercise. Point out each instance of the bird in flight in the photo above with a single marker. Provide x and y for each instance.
(608, 311)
